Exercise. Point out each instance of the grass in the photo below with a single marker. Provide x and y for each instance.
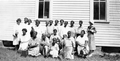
(10, 55)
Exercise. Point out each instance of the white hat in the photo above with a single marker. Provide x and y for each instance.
(91, 21)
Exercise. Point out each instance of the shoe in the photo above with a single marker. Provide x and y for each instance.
(90, 55)
(68, 58)
(45, 56)
(84, 56)
(38, 54)
(59, 58)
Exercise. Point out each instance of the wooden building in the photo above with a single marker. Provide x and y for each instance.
(105, 14)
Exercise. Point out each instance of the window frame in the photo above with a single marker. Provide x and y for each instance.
(92, 12)
(37, 11)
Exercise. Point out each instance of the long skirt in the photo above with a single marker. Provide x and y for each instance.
(54, 53)
(68, 53)
(23, 46)
(44, 50)
(34, 51)
(91, 42)
(84, 49)
(79, 48)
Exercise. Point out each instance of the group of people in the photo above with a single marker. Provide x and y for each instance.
(55, 39)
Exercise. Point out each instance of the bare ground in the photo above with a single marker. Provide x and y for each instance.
(10, 55)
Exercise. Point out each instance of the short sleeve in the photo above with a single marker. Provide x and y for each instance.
(47, 40)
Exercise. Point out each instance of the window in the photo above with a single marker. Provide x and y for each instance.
(99, 10)
(43, 11)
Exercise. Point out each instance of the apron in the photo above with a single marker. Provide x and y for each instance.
(91, 42)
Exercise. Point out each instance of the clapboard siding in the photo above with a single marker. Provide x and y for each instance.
(109, 34)
(71, 10)
(10, 10)
(115, 11)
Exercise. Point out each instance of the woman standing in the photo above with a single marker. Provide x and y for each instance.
(61, 26)
(50, 28)
(56, 25)
(91, 31)
(80, 28)
(72, 28)
(17, 33)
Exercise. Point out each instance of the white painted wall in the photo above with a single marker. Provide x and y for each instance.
(109, 34)
(71, 10)
(10, 10)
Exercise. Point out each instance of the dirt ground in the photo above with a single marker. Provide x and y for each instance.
(10, 55)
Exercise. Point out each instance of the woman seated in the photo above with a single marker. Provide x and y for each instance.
(82, 42)
(24, 40)
(69, 45)
(54, 35)
(44, 45)
(54, 49)
(57, 37)
(33, 49)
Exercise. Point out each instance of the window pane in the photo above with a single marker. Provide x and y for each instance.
(102, 0)
(46, 13)
(47, 0)
(96, 10)
(102, 10)
(96, 0)
(41, 0)
(40, 10)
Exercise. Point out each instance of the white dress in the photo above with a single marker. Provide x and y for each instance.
(73, 31)
(54, 36)
(43, 29)
(38, 30)
(81, 43)
(18, 30)
(65, 30)
(28, 27)
(46, 45)
(56, 27)
(79, 29)
(68, 49)
(50, 29)
(24, 42)
(54, 50)
(61, 29)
